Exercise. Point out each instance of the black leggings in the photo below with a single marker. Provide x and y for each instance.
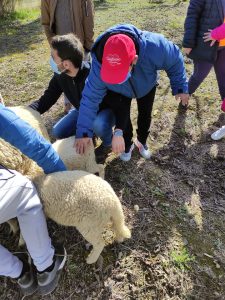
(145, 105)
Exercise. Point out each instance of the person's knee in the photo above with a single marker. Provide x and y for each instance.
(99, 127)
(57, 132)
(31, 203)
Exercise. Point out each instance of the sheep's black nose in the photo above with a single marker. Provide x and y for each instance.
(97, 173)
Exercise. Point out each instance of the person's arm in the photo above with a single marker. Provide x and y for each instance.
(168, 57)
(22, 136)
(218, 33)
(191, 23)
(93, 93)
(88, 23)
(51, 95)
(45, 19)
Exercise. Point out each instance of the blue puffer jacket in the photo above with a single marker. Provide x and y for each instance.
(202, 15)
(22, 136)
(155, 53)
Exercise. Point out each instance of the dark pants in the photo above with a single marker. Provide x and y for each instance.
(202, 69)
(144, 105)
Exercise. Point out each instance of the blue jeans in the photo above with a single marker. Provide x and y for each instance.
(66, 126)
(102, 125)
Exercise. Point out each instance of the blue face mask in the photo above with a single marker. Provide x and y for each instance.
(54, 66)
(127, 78)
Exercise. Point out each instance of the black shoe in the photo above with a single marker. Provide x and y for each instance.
(27, 280)
(101, 153)
(49, 278)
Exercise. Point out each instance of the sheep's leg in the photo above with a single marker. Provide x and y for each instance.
(96, 240)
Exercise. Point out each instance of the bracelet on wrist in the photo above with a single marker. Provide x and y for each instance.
(118, 132)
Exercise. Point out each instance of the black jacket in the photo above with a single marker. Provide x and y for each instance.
(202, 15)
(73, 87)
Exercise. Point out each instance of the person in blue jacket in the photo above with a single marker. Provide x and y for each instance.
(126, 60)
(19, 199)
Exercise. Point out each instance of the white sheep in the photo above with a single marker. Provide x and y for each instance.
(75, 161)
(85, 201)
(33, 118)
(13, 159)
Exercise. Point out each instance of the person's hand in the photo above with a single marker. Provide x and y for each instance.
(187, 51)
(208, 37)
(118, 144)
(82, 144)
(1, 100)
(184, 98)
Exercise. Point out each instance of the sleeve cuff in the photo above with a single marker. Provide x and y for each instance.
(183, 90)
(84, 134)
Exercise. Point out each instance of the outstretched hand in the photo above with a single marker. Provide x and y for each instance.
(82, 144)
(184, 98)
(118, 144)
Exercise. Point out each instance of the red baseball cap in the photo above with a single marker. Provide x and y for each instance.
(119, 52)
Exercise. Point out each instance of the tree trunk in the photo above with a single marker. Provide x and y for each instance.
(7, 6)
(1, 8)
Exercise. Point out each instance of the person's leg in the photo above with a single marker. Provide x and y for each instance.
(128, 136)
(129, 146)
(103, 125)
(219, 67)
(66, 126)
(10, 266)
(145, 105)
(19, 199)
(67, 104)
(200, 72)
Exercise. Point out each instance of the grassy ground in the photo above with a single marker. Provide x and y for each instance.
(177, 248)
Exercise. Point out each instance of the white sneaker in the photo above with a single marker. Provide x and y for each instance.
(143, 149)
(219, 134)
(126, 156)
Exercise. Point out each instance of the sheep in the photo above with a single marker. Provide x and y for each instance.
(85, 201)
(12, 158)
(32, 117)
(75, 161)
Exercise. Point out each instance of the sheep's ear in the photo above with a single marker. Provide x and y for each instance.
(97, 174)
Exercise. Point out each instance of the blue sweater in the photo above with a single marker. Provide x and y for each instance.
(155, 53)
(22, 136)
